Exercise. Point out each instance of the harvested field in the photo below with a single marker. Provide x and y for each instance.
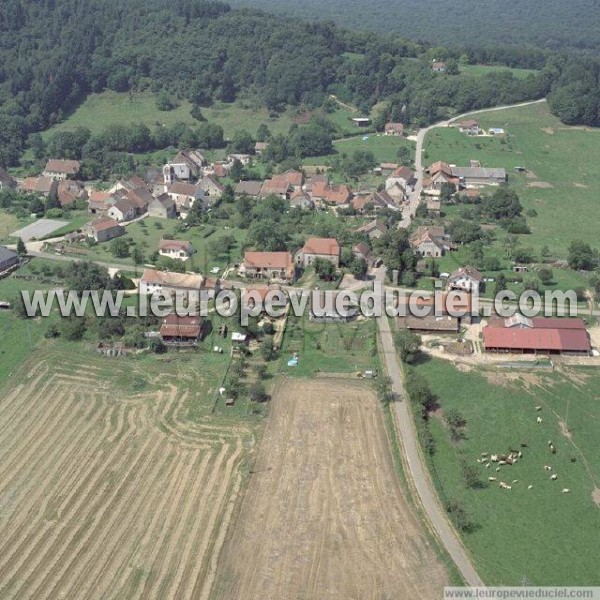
(325, 516)
(110, 495)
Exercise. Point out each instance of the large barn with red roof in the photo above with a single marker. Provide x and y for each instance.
(522, 335)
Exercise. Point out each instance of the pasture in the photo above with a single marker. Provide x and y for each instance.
(108, 487)
(478, 70)
(539, 535)
(561, 185)
(384, 148)
(113, 108)
(325, 515)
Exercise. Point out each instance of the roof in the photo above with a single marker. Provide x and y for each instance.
(403, 173)
(466, 271)
(434, 205)
(259, 292)
(384, 200)
(268, 260)
(183, 327)
(323, 246)
(340, 194)
(69, 191)
(449, 302)
(6, 254)
(183, 189)
(468, 124)
(372, 226)
(438, 167)
(103, 223)
(124, 205)
(208, 182)
(165, 200)
(220, 170)
(140, 197)
(478, 173)
(362, 249)
(99, 197)
(537, 338)
(261, 146)
(190, 281)
(132, 183)
(361, 200)
(278, 184)
(66, 167)
(252, 188)
(42, 185)
(183, 245)
(293, 177)
(398, 127)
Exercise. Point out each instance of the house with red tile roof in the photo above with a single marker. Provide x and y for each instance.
(278, 185)
(267, 265)
(325, 248)
(59, 169)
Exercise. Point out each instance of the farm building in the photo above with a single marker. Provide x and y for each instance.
(103, 229)
(324, 306)
(419, 314)
(522, 335)
(182, 330)
(8, 259)
(361, 121)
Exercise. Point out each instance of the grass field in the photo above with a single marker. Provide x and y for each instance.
(325, 515)
(108, 487)
(541, 535)
(109, 108)
(562, 186)
(479, 70)
(147, 234)
(329, 347)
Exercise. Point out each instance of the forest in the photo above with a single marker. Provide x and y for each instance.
(54, 52)
(552, 24)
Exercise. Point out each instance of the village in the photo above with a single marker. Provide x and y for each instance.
(299, 300)
(191, 184)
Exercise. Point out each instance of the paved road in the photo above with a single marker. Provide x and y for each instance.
(414, 198)
(417, 469)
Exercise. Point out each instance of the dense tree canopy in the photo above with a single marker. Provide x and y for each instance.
(52, 54)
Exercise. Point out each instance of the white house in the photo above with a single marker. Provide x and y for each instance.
(176, 249)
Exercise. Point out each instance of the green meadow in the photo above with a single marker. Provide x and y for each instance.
(562, 182)
(538, 535)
